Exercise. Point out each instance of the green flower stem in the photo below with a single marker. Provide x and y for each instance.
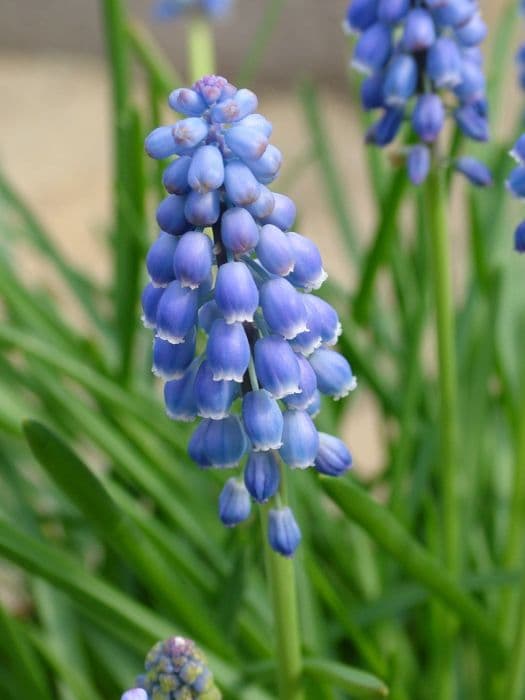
(435, 200)
(282, 584)
(154, 62)
(201, 48)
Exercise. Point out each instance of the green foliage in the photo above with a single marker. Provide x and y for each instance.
(112, 530)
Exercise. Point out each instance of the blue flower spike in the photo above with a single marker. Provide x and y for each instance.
(175, 668)
(418, 57)
(241, 340)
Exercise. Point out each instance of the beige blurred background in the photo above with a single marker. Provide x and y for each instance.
(55, 124)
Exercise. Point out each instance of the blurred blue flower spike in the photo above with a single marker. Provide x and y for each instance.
(164, 10)
(226, 268)
(413, 54)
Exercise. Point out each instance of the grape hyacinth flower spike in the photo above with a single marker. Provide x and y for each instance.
(229, 275)
(175, 668)
(173, 9)
(516, 186)
(421, 61)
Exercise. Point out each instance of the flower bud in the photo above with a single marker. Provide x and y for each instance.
(472, 123)
(283, 214)
(176, 313)
(444, 63)
(213, 398)
(227, 351)
(307, 386)
(392, 11)
(236, 293)
(241, 186)
(385, 130)
(400, 80)
(203, 209)
(175, 177)
(170, 215)
(188, 133)
(519, 238)
(161, 143)
(262, 476)
(428, 117)
(245, 142)
(234, 503)
(192, 260)
(276, 366)
(308, 272)
(171, 361)
(360, 15)
(225, 442)
(475, 171)
(206, 171)
(300, 440)
(263, 205)
(151, 297)
(275, 251)
(243, 103)
(284, 535)
(283, 308)
(334, 376)
(135, 694)
(418, 163)
(333, 457)
(372, 91)
(239, 232)
(373, 48)
(263, 420)
(187, 101)
(267, 166)
(179, 396)
(419, 32)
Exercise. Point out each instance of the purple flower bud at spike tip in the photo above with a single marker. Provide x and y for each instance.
(177, 313)
(283, 308)
(243, 103)
(225, 442)
(274, 250)
(179, 396)
(161, 143)
(246, 143)
(276, 366)
(333, 457)
(360, 15)
(392, 11)
(428, 117)
(284, 535)
(334, 376)
(151, 297)
(206, 171)
(203, 209)
(175, 177)
(418, 163)
(263, 420)
(234, 503)
(213, 88)
(472, 123)
(444, 63)
(400, 80)
(263, 205)
(372, 92)
(420, 32)
(135, 694)
(171, 361)
(159, 260)
(308, 272)
(188, 133)
(213, 398)
(241, 186)
(187, 101)
(518, 150)
(192, 260)
(519, 238)
(228, 351)
(262, 476)
(266, 168)
(236, 293)
(283, 214)
(473, 32)
(373, 49)
(477, 173)
(385, 130)
(300, 440)
(208, 313)
(170, 215)
(516, 182)
(239, 232)
(307, 386)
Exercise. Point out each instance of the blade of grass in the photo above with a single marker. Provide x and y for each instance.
(355, 681)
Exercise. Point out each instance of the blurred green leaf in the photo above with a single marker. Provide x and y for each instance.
(355, 681)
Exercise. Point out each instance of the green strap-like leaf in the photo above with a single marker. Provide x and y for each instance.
(385, 529)
(357, 682)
